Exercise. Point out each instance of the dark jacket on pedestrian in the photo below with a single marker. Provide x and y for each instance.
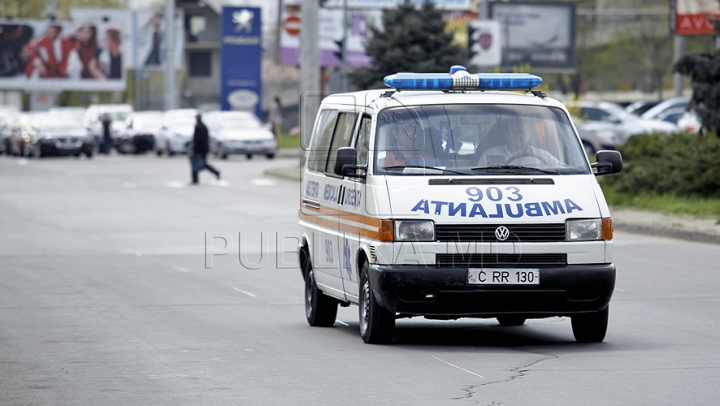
(201, 140)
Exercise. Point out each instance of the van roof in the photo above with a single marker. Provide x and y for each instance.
(375, 100)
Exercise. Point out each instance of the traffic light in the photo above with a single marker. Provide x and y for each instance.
(472, 41)
(339, 53)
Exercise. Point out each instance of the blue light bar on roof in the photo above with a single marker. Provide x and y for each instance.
(460, 79)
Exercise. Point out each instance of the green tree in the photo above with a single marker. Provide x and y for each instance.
(413, 40)
(704, 71)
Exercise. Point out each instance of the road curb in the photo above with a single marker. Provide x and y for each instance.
(670, 232)
(292, 174)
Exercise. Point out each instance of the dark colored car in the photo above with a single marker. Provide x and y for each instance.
(56, 134)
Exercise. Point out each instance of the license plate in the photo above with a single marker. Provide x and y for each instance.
(505, 276)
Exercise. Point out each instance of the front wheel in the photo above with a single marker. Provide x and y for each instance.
(320, 309)
(377, 324)
(590, 327)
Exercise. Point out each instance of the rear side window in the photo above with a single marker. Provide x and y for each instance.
(342, 137)
(361, 145)
(321, 143)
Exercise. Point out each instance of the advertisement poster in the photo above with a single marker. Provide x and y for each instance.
(149, 41)
(39, 55)
(484, 43)
(330, 33)
(241, 59)
(541, 35)
(692, 17)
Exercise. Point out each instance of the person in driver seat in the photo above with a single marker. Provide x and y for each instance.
(517, 149)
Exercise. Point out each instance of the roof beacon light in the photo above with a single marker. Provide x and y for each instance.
(460, 79)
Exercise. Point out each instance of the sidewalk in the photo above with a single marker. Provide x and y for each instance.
(632, 221)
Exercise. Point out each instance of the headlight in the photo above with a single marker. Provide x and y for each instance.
(583, 230)
(414, 230)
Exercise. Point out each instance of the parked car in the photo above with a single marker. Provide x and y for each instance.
(668, 110)
(177, 131)
(20, 131)
(609, 117)
(139, 132)
(596, 137)
(641, 106)
(689, 122)
(94, 116)
(57, 134)
(239, 133)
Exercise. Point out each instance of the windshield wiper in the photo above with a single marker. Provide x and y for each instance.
(426, 167)
(514, 168)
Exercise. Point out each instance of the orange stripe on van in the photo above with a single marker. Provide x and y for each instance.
(384, 228)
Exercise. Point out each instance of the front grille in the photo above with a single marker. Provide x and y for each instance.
(484, 260)
(486, 232)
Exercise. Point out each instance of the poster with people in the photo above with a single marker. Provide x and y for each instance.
(150, 29)
(47, 55)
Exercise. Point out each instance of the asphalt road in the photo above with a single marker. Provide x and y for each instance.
(105, 299)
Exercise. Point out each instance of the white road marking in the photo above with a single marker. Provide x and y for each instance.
(343, 323)
(263, 182)
(130, 185)
(181, 269)
(455, 366)
(176, 183)
(244, 292)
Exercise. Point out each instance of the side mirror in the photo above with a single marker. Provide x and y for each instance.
(345, 163)
(608, 162)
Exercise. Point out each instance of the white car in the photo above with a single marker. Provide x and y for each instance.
(176, 133)
(609, 118)
(239, 133)
(141, 129)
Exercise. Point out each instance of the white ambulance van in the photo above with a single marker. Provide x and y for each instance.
(454, 195)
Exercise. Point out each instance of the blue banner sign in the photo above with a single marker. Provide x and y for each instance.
(241, 59)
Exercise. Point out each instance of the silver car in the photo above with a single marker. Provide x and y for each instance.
(604, 125)
(239, 133)
(56, 134)
(176, 133)
(140, 132)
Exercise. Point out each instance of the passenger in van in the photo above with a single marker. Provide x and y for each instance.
(517, 149)
(408, 148)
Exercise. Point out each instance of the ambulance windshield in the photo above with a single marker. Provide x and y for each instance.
(472, 139)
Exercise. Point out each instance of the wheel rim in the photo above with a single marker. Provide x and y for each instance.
(365, 307)
(309, 293)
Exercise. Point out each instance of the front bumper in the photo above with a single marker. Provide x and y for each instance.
(563, 290)
(55, 147)
(247, 147)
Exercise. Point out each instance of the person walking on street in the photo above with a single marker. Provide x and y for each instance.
(106, 143)
(201, 147)
(276, 117)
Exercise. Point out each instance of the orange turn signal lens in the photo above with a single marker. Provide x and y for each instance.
(386, 231)
(607, 229)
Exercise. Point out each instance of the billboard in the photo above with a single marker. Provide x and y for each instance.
(541, 35)
(330, 33)
(146, 39)
(241, 59)
(484, 43)
(39, 55)
(692, 17)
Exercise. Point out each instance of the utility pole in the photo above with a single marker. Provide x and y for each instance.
(679, 51)
(344, 48)
(309, 69)
(169, 73)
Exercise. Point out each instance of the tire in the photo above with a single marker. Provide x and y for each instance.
(170, 153)
(158, 152)
(320, 309)
(510, 321)
(377, 324)
(89, 154)
(249, 156)
(270, 156)
(590, 327)
(589, 150)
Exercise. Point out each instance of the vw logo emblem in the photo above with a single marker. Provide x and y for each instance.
(502, 233)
